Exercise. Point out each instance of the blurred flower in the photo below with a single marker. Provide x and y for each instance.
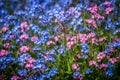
(75, 66)
(77, 75)
(92, 62)
(23, 72)
(88, 71)
(34, 38)
(108, 10)
(101, 56)
(50, 43)
(5, 28)
(113, 60)
(24, 49)
(109, 72)
(23, 37)
(15, 77)
(3, 53)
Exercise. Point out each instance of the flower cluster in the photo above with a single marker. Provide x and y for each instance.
(59, 39)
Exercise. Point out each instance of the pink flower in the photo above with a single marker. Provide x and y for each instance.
(103, 66)
(29, 66)
(5, 28)
(92, 23)
(70, 44)
(91, 35)
(50, 43)
(107, 3)
(94, 41)
(68, 38)
(113, 60)
(24, 37)
(112, 50)
(62, 35)
(15, 78)
(56, 20)
(108, 10)
(117, 39)
(83, 40)
(56, 38)
(98, 16)
(6, 45)
(34, 38)
(73, 38)
(12, 36)
(102, 39)
(46, 57)
(75, 66)
(79, 36)
(92, 62)
(24, 49)
(93, 9)
(24, 26)
(79, 13)
(100, 56)
(72, 9)
(3, 53)
(31, 60)
(82, 37)
(78, 56)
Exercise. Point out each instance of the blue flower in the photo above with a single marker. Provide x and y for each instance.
(88, 71)
(76, 75)
(52, 72)
(110, 65)
(22, 72)
(40, 66)
(60, 50)
(36, 48)
(109, 72)
(50, 58)
(3, 66)
(23, 57)
(85, 48)
(85, 56)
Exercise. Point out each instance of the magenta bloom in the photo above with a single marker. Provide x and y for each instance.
(75, 66)
(29, 66)
(102, 39)
(3, 53)
(15, 78)
(6, 45)
(107, 3)
(108, 10)
(5, 28)
(93, 9)
(91, 35)
(23, 37)
(103, 66)
(50, 43)
(34, 38)
(92, 62)
(24, 49)
(100, 56)
(70, 44)
(24, 26)
(113, 60)
(92, 23)
(31, 60)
